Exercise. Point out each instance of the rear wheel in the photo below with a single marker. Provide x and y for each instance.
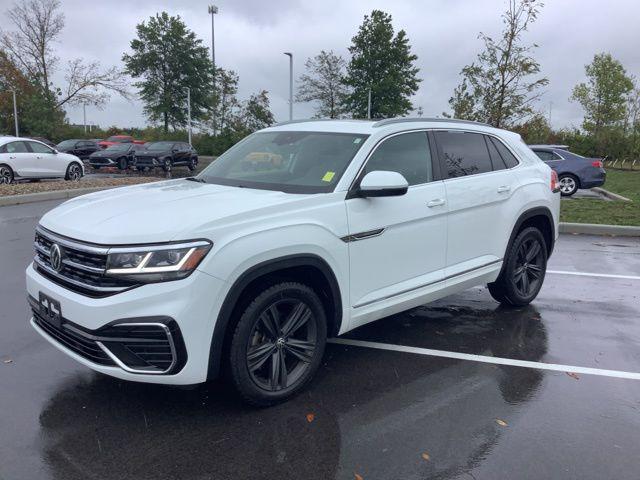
(6, 175)
(278, 343)
(74, 172)
(568, 185)
(523, 271)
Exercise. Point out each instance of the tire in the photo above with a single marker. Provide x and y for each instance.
(523, 271)
(74, 172)
(167, 165)
(122, 163)
(569, 185)
(261, 343)
(6, 175)
(193, 163)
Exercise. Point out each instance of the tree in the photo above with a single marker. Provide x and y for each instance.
(38, 24)
(323, 84)
(256, 113)
(382, 63)
(225, 100)
(168, 58)
(497, 88)
(536, 130)
(604, 96)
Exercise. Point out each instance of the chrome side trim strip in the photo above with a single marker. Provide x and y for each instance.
(402, 292)
(363, 235)
(174, 357)
(85, 286)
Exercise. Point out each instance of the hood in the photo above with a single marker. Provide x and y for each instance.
(158, 212)
(153, 153)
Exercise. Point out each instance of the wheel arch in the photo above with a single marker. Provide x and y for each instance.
(306, 268)
(539, 217)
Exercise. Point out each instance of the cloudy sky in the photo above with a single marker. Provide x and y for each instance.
(252, 34)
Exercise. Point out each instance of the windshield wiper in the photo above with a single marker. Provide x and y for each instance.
(194, 179)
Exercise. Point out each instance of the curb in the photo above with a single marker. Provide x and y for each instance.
(595, 229)
(44, 196)
(610, 195)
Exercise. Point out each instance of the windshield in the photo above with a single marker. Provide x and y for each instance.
(66, 144)
(159, 146)
(123, 147)
(293, 162)
(118, 139)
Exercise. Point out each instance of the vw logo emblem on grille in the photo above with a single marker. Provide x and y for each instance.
(56, 257)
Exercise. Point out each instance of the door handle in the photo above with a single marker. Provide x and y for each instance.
(12, 158)
(435, 203)
(504, 189)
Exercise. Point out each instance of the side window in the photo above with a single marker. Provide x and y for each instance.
(407, 154)
(464, 153)
(545, 156)
(39, 148)
(506, 155)
(16, 147)
(496, 159)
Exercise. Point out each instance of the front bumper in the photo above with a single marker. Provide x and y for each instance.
(101, 161)
(189, 307)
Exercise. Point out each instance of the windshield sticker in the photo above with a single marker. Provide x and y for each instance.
(328, 176)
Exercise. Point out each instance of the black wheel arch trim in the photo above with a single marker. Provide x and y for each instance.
(533, 212)
(253, 273)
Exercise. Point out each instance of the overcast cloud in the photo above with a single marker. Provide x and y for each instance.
(252, 34)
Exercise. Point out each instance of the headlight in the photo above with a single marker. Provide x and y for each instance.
(156, 263)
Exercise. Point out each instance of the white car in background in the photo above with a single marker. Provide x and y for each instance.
(24, 158)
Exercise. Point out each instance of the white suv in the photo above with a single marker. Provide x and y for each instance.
(301, 231)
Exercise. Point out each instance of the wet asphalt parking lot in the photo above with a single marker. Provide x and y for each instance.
(371, 413)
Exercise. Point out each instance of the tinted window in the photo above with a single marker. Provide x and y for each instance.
(407, 154)
(464, 153)
(496, 159)
(505, 153)
(545, 156)
(39, 148)
(16, 147)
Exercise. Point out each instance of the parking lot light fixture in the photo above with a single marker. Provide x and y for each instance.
(15, 112)
(290, 55)
(212, 9)
(189, 113)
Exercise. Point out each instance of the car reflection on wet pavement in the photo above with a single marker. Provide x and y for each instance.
(372, 413)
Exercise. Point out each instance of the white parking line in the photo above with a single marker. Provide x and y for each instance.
(486, 359)
(585, 274)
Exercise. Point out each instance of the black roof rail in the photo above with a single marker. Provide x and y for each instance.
(392, 121)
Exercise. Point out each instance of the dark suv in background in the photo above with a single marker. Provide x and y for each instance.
(78, 147)
(574, 171)
(121, 155)
(167, 155)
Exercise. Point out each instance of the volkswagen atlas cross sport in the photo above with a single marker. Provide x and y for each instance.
(300, 232)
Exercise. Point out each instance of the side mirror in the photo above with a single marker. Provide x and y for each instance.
(382, 184)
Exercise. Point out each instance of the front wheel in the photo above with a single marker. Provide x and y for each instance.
(523, 271)
(6, 175)
(167, 165)
(74, 172)
(568, 185)
(192, 164)
(122, 163)
(277, 344)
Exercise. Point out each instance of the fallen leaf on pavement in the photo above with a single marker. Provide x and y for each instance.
(310, 417)
(359, 477)
(426, 456)
(573, 375)
(8, 361)
(502, 423)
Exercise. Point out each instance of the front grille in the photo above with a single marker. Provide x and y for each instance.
(83, 266)
(100, 161)
(74, 339)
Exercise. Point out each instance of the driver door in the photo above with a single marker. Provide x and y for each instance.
(397, 245)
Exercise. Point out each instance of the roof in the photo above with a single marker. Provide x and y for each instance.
(561, 147)
(374, 126)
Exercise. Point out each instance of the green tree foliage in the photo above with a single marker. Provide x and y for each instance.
(256, 113)
(168, 58)
(535, 131)
(605, 99)
(382, 62)
(323, 84)
(497, 88)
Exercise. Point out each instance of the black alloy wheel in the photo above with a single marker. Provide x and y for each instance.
(523, 271)
(167, 165)
(278, 343)
(192, 164)
(74, 172)
(122, 163)
(6, 175)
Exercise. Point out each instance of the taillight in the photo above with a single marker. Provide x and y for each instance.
(554, 181)
(597, 163)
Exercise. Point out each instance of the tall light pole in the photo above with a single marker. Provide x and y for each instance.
(189, 113)
(290, 55)
(15, 112)
(84, 116)
(212, 11)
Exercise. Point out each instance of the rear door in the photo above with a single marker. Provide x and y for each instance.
(478, 191)
(397, 244)
(19, 158)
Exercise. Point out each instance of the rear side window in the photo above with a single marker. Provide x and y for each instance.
(16, 147)
(505, 153)
(408, 154)
(498, 162)
(464, 153)
(546, 156)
